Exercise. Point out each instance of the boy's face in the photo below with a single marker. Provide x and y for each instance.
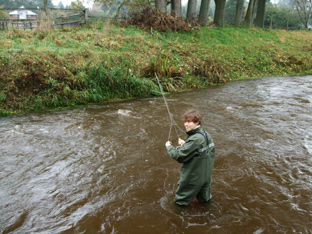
(190, 125)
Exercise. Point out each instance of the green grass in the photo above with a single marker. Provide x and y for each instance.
(104, 62)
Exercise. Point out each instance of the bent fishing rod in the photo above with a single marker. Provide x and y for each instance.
(170, 115)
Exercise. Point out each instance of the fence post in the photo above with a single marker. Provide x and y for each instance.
(85, 15)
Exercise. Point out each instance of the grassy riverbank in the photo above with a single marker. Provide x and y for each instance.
(107, 63)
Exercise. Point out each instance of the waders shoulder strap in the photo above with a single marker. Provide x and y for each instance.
(207, 141)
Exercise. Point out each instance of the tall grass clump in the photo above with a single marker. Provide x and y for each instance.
(45, 24)
(103, 84)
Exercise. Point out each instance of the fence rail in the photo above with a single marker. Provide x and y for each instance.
(58, 17)
(6, 24)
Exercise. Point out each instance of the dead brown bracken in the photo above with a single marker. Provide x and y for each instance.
(151, 19)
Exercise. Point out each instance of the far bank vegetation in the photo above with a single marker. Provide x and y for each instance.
(108, 62)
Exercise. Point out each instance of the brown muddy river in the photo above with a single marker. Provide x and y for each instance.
(104, 168)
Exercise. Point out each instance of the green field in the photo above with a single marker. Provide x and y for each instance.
(104, 62)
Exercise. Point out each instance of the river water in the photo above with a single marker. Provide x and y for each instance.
(104, 168)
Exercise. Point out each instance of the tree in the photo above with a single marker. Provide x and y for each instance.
(250, 15)
(14, 4)
(60, 5)
(284, 3)
(176, 8)
(3, 14)
(204, 12)
(260, 14)
(304, 10)
(76, 5)
(25, 3)
(239, 12)
(219, 12)
(277, 16)
(160, 5)
(45, 7)
(191, 10)
(127, 6)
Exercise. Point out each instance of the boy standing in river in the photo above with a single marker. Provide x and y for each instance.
(197, 154)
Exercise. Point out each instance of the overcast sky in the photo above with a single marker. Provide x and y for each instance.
(86, 3)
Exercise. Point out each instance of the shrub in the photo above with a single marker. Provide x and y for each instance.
(149, 19)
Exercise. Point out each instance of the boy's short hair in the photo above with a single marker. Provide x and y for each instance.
(193, 116)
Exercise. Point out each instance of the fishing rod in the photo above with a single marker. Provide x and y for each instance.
(170, 115)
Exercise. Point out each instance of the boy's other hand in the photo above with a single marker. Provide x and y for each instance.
(181, 142)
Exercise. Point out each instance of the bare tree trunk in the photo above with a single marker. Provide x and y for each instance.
(191, 10)
(176, 9)
(250, 15)
(219, 12)
(161, 5)
(239, 12)
(45, 6)
(204, 12)
(288, 15)
(45, 22)
(260, 14)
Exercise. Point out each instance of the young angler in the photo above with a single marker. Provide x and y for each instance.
(197, 154)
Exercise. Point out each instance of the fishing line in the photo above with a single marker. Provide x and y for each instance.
(170, 115)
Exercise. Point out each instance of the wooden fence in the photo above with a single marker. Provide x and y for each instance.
(58, 17)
